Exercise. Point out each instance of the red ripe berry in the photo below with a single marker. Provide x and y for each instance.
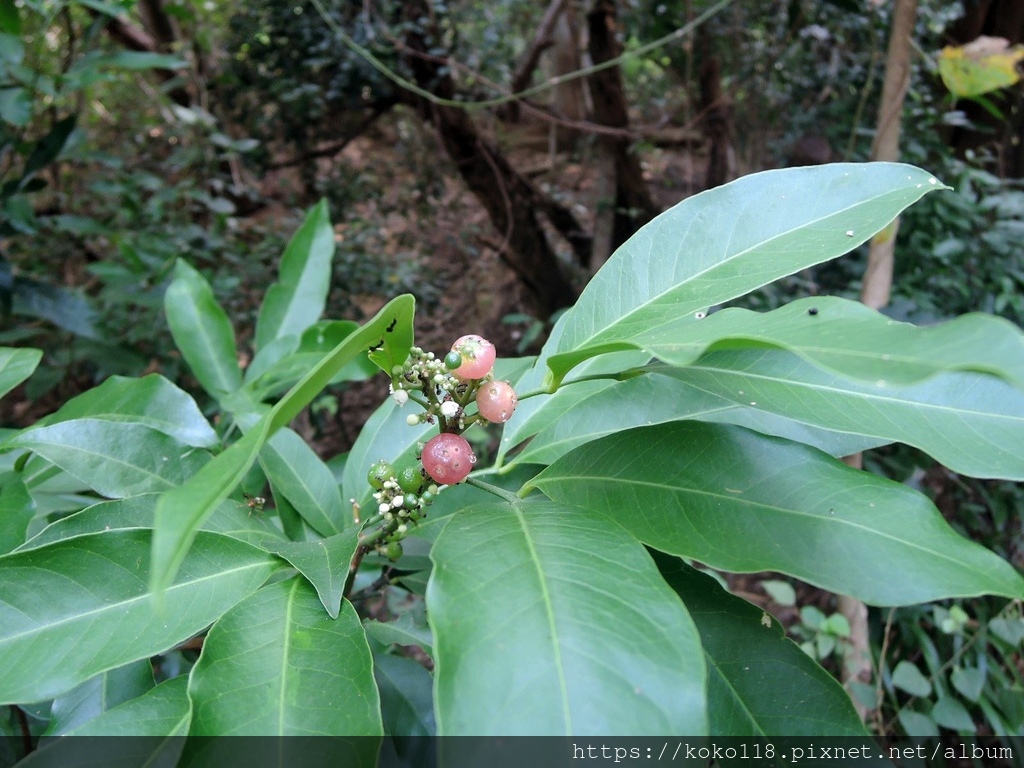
(478, 355)
(448, 458)
(496, 401)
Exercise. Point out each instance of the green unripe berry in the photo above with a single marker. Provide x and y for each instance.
(411, 501)
(410, 479)
(393, 551)
(427, 497)
(379, 472)
(452, 360)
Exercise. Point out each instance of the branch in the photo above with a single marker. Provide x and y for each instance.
(541, 42)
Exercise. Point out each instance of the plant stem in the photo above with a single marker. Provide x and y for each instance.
(508, 496)
(620, 376)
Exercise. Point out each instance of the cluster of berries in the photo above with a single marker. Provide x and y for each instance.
(444, 388)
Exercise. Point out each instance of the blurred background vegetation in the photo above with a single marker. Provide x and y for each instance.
(135, 133)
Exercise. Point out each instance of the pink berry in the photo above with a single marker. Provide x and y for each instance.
(496, 401)
(478, 356)
(448, 458)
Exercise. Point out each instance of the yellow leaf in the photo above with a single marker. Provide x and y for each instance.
(982, 66)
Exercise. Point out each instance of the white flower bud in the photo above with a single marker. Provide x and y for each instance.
(401, 397)
(412, 419)
(384, 507)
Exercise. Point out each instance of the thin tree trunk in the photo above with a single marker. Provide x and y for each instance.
(507, 196)
(877, 285)
(886, 146)
(542, 40)
(714, 112)
(632, 206)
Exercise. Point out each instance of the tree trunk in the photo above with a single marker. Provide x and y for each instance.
(562, 58)
(886, 146)
(507, 196)
(878, 284)
(632, 206)
(714, 112)
(542, 40)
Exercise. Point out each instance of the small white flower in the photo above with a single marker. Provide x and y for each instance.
(401, 397)
(449, 408)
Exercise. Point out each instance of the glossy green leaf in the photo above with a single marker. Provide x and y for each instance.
(403, 631)
(972, 423)
(744, 502)
(16, 365)
(297, 299)
(115, 459)
(407, 703)
(324, 563)
(727, 241)
(77, 608)
(152, 401)
(202, 331)
(99, 694)
(759, 682)
(231, 518)
(287, 359)
(535, 413)
(298, 473)
(162, 715)
(656, 399)
(852, 340)
(182, 511)
(557, 618)
(277, 665)
(141, 60)
(17, 508)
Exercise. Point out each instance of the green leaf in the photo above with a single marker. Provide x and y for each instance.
(557, 618)
(15, 106)
(917, 724)
(970, 422)
(151, 400)
(99, 694)
(182, 511)
(10, 20)
(407, 704)
(17, 508)
(725, 242)
(298, 473)
(403, 631)
(115, 459)
(324, 563)
(287, 359)
(48, 148)
(77, 608)
(136, 60)
(908, 677)
(136, 512)
(968, 681)
(744, 502)
(852, 340)
(752, 666)
(297, 300)
(16, 365)
(202, 331)
(950, 713)
(162, 714)
(276, 665)
(656, 399)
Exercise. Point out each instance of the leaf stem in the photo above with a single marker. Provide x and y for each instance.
(620, 376)
(501, 493)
